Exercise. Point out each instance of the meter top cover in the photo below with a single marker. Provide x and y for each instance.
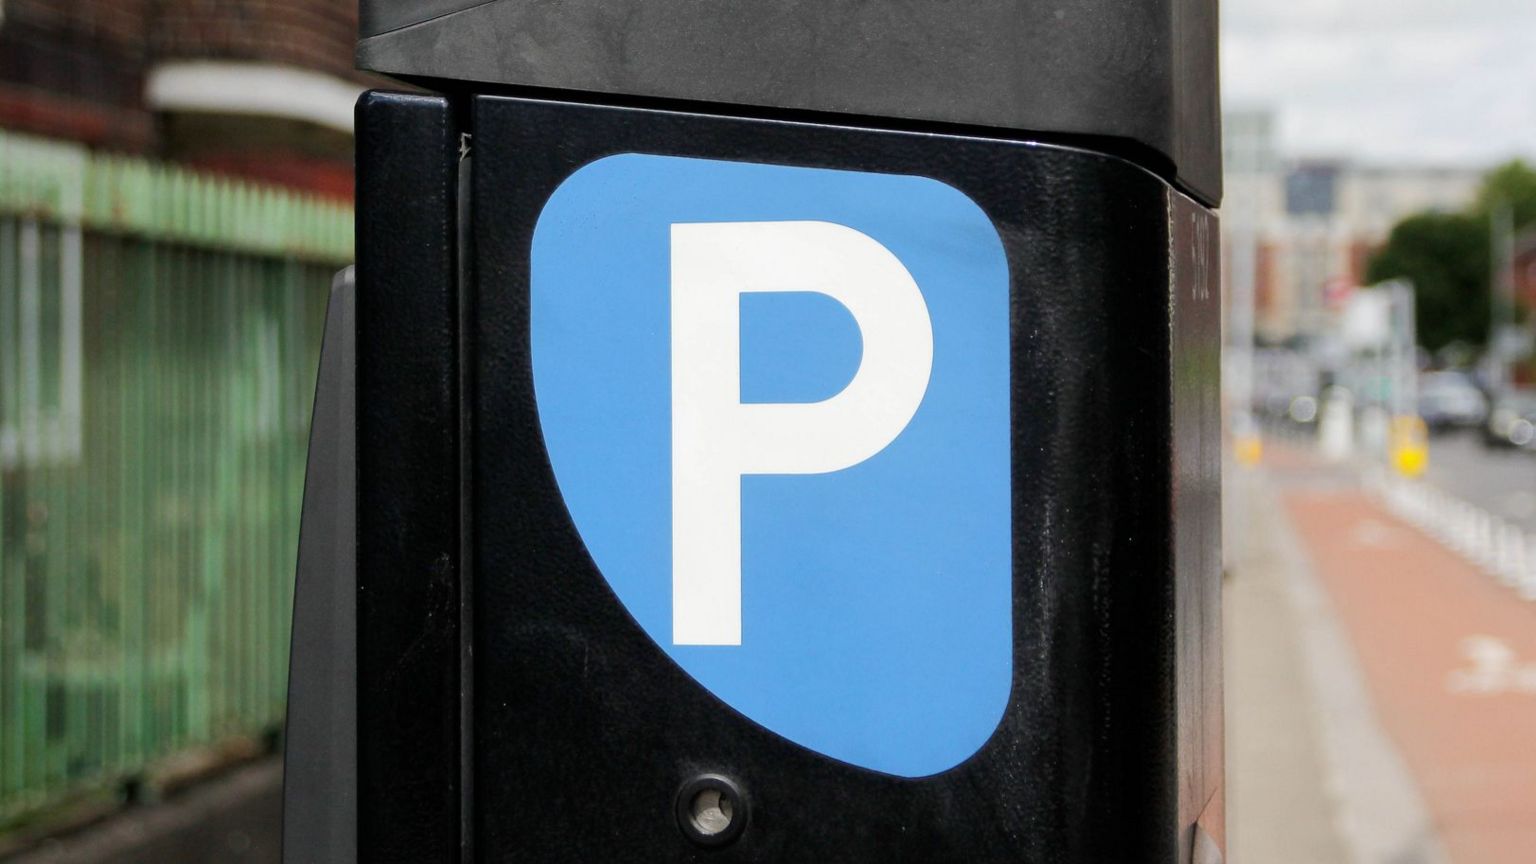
(1137, 78)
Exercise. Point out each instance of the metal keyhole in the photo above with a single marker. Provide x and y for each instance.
(711, 810)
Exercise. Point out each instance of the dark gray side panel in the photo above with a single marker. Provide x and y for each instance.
(1144, 72)
(320, 749)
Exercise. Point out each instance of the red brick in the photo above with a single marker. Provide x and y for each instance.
(77, 69)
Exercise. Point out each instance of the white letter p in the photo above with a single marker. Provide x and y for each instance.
(716, 439)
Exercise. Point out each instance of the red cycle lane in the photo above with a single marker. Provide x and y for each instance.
(1450, 657)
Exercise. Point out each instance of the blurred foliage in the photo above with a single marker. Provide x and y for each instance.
(1513, 184)
(1447, 257)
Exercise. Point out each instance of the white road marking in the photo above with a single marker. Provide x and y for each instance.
(1493, 669)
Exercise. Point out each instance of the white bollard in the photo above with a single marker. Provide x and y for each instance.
(1447, 520)
(1509, 545)
(1335, 426)
(1512, 568)
(1484, 554)
(1438, 515)
(1422, 505)
(1465, 541)
(1456, 524)
(1528, 578)
(1493, 545)
(1475, 532)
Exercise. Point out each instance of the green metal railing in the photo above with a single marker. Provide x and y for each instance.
(159, 332)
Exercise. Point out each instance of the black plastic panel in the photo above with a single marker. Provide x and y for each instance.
(382, 16)
(408, 525)
(585, 730)
(1144, 72)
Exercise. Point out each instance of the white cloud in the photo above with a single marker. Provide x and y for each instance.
(1388, 80)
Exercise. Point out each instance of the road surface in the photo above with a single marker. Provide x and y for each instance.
(1501, 481)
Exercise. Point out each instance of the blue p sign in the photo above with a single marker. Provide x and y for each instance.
(776, 401)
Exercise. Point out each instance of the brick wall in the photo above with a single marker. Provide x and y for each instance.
(76, 69)
(314, 34)
(1264, 279)
(1525, 272)
(1360, 253)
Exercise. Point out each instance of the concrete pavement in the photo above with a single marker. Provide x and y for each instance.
(1279, 809)
(1381, 689)
(1312, 775)
(234, 819)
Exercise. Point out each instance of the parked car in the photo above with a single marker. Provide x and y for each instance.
(1449, 400)
(1512, 420)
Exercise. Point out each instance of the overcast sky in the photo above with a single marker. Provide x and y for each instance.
(1421, 81)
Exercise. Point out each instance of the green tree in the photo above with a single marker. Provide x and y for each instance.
(1445, 256)
(1512, 184)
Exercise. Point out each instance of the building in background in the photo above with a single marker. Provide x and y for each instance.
(1303, 230)
(1524, 273)
(261, 89)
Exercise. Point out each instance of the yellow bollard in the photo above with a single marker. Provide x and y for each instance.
(1248, 450)
(1409, 445)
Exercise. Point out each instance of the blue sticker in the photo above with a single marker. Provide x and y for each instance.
(776, 403)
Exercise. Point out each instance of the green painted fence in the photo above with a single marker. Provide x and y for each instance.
(159, 332)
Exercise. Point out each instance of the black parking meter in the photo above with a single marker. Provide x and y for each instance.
(770, 432)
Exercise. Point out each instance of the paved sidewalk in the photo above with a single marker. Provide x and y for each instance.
(1450, 660)
(234, 819)
(1279, 810)
(1312, 775)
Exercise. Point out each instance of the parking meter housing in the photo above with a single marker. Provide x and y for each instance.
(514, 699)
(1139, 78)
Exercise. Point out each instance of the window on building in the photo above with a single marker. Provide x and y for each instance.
(1311, 190)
